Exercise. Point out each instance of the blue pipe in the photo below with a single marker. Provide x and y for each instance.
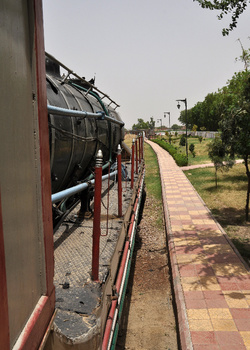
(73, 113)
(56, 197)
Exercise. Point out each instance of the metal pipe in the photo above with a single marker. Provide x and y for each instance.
(73, 113)
(119, 169)
(97, 216)
(56, 197)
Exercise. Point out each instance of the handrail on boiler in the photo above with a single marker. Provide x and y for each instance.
(73, 113)
(56, 197)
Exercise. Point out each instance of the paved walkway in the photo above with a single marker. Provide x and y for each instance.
(207, 165)
(211, 281)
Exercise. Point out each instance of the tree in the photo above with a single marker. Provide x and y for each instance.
(235, 123)
(245, 56)
(206, 113)
(217, 154)
(176, 127)
(151, 123)
(141, 124)
(236, 7)
(194, 128)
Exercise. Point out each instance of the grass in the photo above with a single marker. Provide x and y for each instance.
(129, 139)
(152, 180)
(227, 202)
(152, 177)
(201, 156)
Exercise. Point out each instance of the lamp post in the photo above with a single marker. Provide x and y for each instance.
(169, 117)
(160, 121)
(178, 106)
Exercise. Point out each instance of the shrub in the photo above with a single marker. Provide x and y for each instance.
(182, 140)
(180, 159)
(191, 147)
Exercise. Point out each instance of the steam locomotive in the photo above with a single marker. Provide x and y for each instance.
(75, 140)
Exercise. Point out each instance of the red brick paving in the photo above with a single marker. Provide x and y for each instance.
(211, 281)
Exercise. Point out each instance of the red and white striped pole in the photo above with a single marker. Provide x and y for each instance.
(97, 216)
(119, 171)
(132, 163)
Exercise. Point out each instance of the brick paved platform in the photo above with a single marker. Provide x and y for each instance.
(211, 280)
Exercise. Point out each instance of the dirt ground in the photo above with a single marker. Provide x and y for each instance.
(148, 320)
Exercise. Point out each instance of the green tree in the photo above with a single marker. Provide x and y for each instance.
(217, 154)
(235, 123)
(245, 56)
(206, 113)
(235, 7)
(151, 123)
(176, 127)
(141, 124)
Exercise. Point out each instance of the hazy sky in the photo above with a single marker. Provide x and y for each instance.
(145, 54)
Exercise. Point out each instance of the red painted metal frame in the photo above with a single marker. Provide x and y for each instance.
(44, 147)
(132, 164)
(119, 169)
(4, 315)
(97, 223)
(142, 155)
(136, 156)
(139, 149)
(36, 326)
(120, 275)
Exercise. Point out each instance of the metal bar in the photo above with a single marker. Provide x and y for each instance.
(119, 169)
(73, 113)
(97, 217)
(78, 77)
(139, 149)
(56, 197)
(132, 163)
(136, 156)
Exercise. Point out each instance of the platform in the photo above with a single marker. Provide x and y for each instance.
(211, 280)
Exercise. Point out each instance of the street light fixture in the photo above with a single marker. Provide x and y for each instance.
(169, 117)
(161, 121)
(178, 106)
